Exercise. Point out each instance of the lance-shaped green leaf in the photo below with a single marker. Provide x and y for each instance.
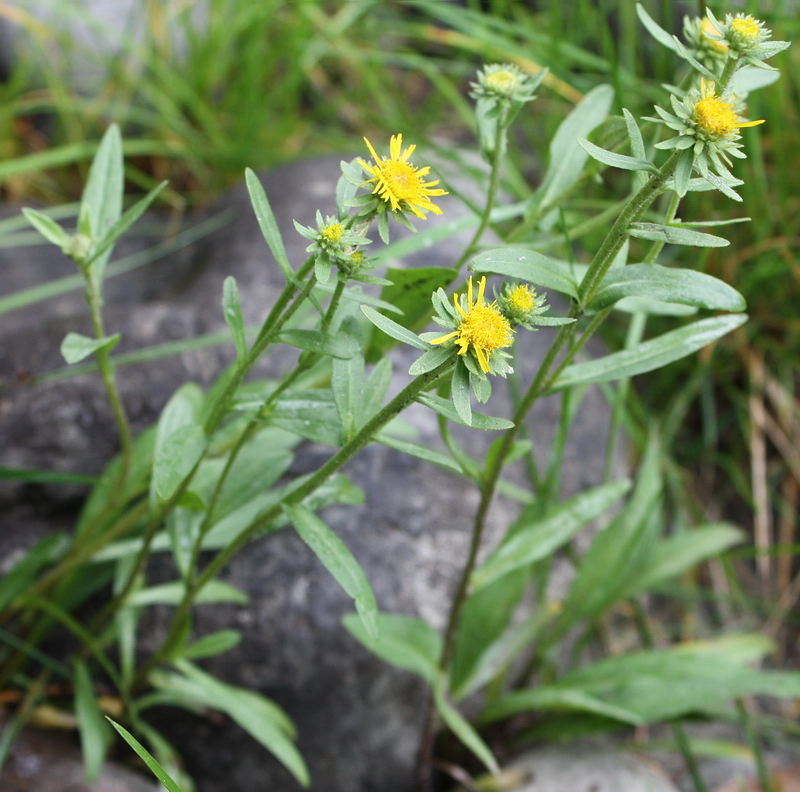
(675, 235)
(267, 223)
(567, 158)
(232, 310)
(211, 645)
(404, 641)
(176, 457)
(479, 421)
(410, 292)
(101, 204)
(47, 227)
(655, 30)
(347, 384)
(75, 346)
(615, 160)
(260, 717)
(465, 732)
(650, 355)
(677, 554)
(155, 768)
(94, 731)
(106, 243)
(393, 329)
(668, 284)
(544, 536)
(558, 699)
(527, 265)
(317, 341)
(172, 594)
(339, 561)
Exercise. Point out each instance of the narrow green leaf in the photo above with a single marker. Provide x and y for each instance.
(460, 394)
(45, 476)
(527, 265)
(109, 239)
(317, 341)
(419, 451)
(211, 645)
(650, 355)
(176, 457)
(339, 561)
(404, 641)
(260, 717)
(616, 160)
(347, 383)
(479, 421)
(557, 699)
(101, 204)
(75, 347)
(543, 537)
(675, 235)
(267, 223)
(393, 329)
(462, 728)
(655, 30)
(232, 310)
(310, 414)
(677, 554)
(668, 284)
(567, 158)
(47, 227)
(155, 768)
(92, 727)
(637, 145)
(173, 593)
(410, 292)
(434, 357)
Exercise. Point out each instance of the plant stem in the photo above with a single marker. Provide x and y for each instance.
(619, 231)
(491, 195)
(93, 298)
(755, 746)
(294, 497)
(600, 265)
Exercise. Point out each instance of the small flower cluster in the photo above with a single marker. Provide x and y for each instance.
(743, 37)
(520, 304)
(704, 39)
(505, 83)
(334, 243)
(483, 331)
(708, 123)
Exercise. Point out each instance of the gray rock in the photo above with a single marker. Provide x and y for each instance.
(358, 719)
(44, 761)
(588, 769)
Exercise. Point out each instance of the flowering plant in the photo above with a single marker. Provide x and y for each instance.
(171, 487)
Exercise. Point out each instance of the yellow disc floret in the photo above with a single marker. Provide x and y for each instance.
(715, 117)
(399, 183)
(521, 299)
(502, 80)
(746, 28)
(482, 327)
(333, 232)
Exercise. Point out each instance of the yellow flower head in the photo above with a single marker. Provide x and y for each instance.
(715, 117)
(399, 183)
(482, 327)
(522, 299)
(709, 29)
(746, 27)
(333, 232)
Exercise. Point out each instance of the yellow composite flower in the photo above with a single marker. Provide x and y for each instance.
(482, 327)
(400, 183)
(716, 117)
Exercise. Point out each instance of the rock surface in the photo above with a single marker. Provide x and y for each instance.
(589, 769)
(40, 761)
(358, 719)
